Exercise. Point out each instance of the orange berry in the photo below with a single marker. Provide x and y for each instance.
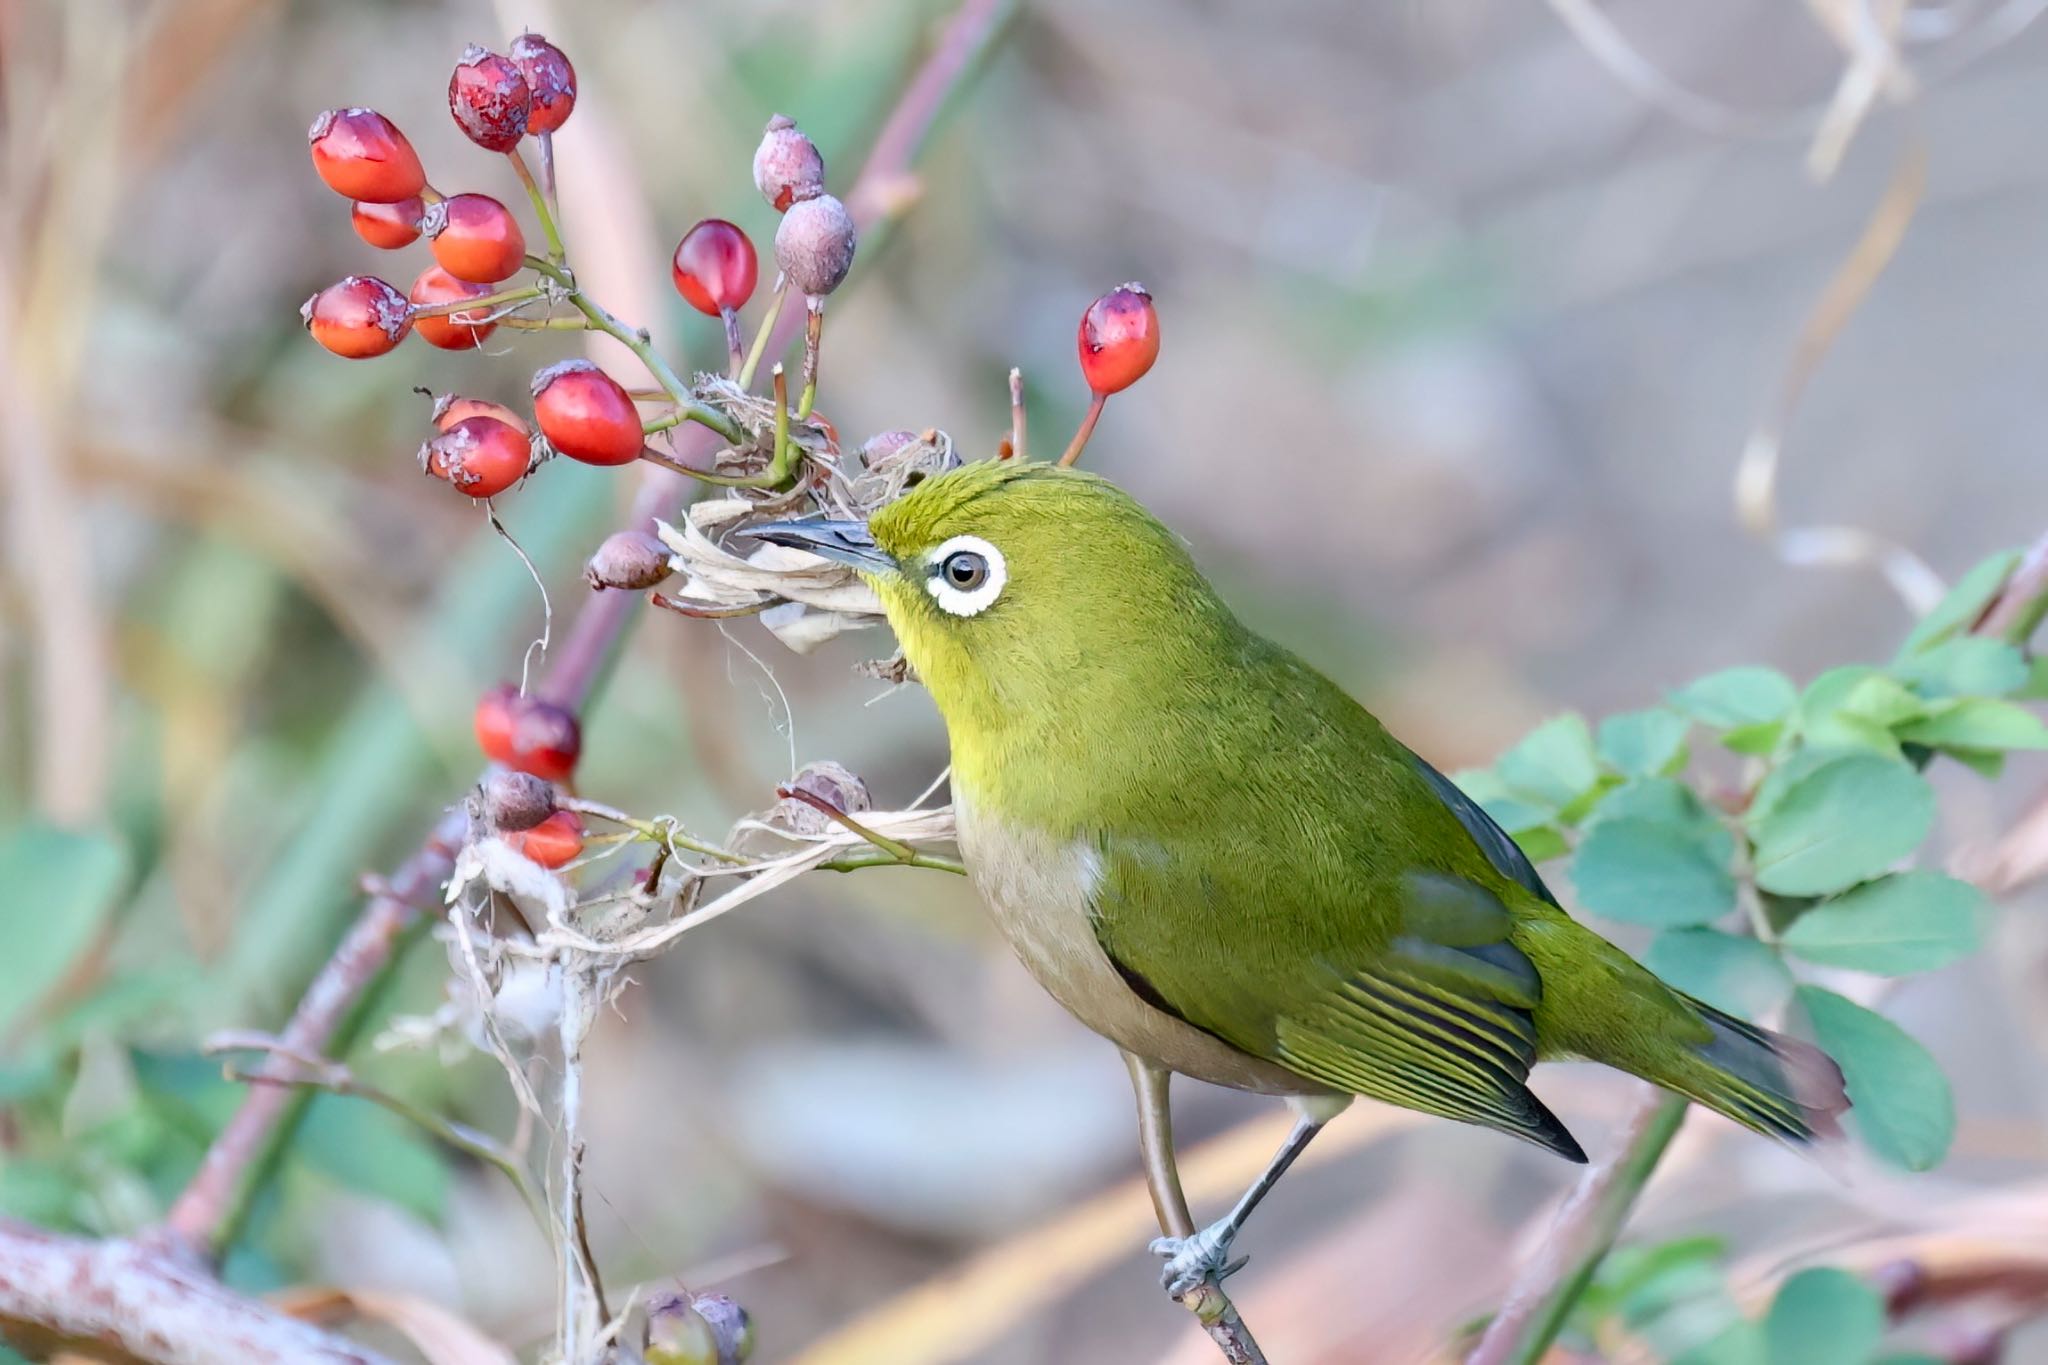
(360, 153)
(449, 331)
(715, 267)
(586, 414)
(1119, 339)
(553, 842)
(549, 78)
(489, 99)
(451, 408)
(475, 238)
(478, 456)
(389, 226)
(357, 317)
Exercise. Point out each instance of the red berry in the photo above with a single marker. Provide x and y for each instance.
(357, 317)
(550, 79)
(1119, 339)
(586, 414)
(389, 226)
(553, 842)
(449, 331)
(546, 740)
(489, 99)
(814, 244)
(361, 154)
(527, 734)
(451, 408)
(715, 267)
(787, 166)
(475, 238)
(480, 456)
(493, 722)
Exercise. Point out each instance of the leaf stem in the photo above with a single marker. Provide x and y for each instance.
(761, 336)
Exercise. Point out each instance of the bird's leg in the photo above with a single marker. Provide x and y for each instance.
(1155, 1145)
(1190, 1259)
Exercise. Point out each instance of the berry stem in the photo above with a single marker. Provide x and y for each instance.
(779, 469)
(546, 143)
(578, 323)
(641, 345)
(671, 463)
(664, 422)
(483, 303)
(541, 210)
(760, 346)
(1016, 414)
(814, 331)
(735, 345)
(1080, 440)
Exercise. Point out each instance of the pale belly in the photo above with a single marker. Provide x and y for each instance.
(1037, 889)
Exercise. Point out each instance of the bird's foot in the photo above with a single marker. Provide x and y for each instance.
(1190, 1260)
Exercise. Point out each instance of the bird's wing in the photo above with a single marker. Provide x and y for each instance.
(1436, 1016)
(1496, 843)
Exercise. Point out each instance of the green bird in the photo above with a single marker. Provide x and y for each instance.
(1215, 858)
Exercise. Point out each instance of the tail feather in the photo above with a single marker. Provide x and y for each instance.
(1779, 1086)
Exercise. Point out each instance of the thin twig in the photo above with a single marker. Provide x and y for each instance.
(1017, 414)
(1584, 1230)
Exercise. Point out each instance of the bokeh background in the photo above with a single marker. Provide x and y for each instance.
(1467, 319)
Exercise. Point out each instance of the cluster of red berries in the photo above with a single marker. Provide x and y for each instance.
(476, 241)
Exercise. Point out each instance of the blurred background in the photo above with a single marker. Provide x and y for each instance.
(1468, 313)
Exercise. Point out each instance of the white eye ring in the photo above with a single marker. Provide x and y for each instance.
(980, 595)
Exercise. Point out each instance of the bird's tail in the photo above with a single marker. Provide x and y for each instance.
(1601, 1004)
(1779, 1086)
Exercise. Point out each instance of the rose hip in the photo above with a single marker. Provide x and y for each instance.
(715, 267)
(553, 842)
(586, 414)
(478, 456)
(360, 153)
(489, 99)
(357, 317)
(814, 244)
(449, 331)
(1119, 339)
(476, 238)
(550, 79)
(388, 226)
(451, 408)
(787, 167)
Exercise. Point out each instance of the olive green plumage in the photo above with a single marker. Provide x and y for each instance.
(1256, 855)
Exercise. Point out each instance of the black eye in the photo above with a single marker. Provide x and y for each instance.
(964, 570)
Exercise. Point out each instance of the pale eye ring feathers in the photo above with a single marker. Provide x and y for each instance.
(967, 575)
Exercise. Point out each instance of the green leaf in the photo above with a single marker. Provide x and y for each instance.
(1644, 743)
(1739, 975)
(1654, 798)
(1824, 1316)
(1738, 696)
(1964, 603)
(1907, 922)
(1553, 764)
(1854, 707)
(60, 887)
(1542, 843)
(1841, 823)
(1903, 1106)
(1649, 872)
(1757, 739)
(1978, 723)
(1967, 666)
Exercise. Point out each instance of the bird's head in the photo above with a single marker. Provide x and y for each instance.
(1014, 585)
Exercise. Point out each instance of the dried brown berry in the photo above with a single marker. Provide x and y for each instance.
(814, 244)
(787, 167)
(831, 783)
(632, 560)
(513, 801)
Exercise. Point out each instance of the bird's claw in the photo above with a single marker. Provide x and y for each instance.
(1190, 1260)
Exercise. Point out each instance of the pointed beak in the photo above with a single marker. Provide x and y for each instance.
(845, 541)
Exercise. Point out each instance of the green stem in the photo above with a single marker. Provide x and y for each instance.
(767, 329)
(483, 303)
(1542, 1297)
(641, 345)
(541, 208)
